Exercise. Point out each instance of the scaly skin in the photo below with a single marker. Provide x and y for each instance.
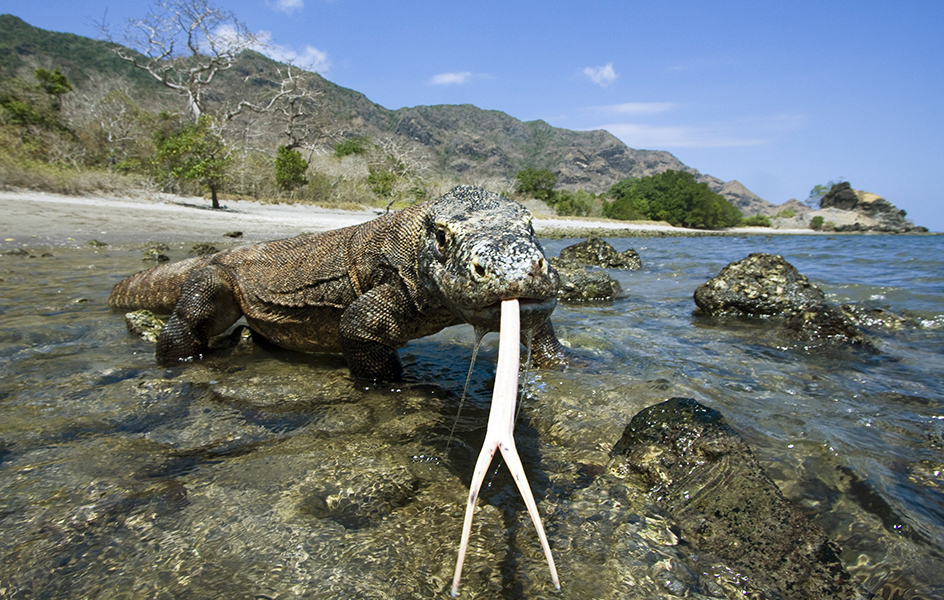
(365, 290)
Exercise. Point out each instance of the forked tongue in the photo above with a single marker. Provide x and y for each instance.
(500, 436)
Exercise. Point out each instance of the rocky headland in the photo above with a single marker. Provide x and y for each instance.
(844, 209)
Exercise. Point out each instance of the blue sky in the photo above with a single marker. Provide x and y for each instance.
(780, 96)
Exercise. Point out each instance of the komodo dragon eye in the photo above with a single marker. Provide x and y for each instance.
(439, 249)
(441, 239)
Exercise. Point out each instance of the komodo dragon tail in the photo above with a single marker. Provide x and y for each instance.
(155, 289)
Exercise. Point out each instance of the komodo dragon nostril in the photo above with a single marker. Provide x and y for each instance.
(479, 269)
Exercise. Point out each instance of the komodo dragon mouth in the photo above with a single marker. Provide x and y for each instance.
(534, 311)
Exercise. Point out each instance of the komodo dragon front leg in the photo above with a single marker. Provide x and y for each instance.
(207, 307)
(372, 328)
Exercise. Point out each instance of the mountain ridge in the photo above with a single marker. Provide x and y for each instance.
(464, 141)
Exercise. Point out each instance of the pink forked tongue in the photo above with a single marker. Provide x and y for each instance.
(500, 436)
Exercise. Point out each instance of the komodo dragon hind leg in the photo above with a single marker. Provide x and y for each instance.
(207, 307)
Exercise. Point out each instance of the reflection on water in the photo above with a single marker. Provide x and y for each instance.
(268, 474)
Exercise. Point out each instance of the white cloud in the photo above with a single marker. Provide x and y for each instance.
(450, 78)
(638, 108)
(289, 6)
(636, 135)
(309, 58)
(602, 76)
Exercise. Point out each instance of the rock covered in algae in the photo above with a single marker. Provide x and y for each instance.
(825, 324)
(766, 285)
(596, 252)
(580, 284)
(700, 471)
(761, 284)
(203, 249)
(144, 323)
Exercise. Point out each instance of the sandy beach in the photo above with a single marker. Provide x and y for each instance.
(43, 219)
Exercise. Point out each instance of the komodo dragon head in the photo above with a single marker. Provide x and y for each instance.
(481, 249)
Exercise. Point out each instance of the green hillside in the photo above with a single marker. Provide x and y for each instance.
(451, 143)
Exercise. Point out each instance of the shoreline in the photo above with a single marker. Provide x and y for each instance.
(41, 218)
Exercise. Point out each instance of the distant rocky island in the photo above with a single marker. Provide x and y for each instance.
(844, 209)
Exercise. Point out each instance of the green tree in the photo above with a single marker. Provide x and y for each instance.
(536, 183)
(53, 83)
(818, 191)
(627, 205)
(32, 105)
(382, 182)
(672, 196)
(568, 203)
(290, 168)
(196, 153)
(816, 223)
(354, 145)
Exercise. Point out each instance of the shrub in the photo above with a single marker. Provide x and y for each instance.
(672, 196)
(535, 183)
(567, 203)
(756, 221)
(816, 223)
(354, 145)
(382, 182)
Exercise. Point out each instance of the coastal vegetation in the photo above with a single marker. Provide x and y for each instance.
(125, 115)
(108, 128)
(674, 197)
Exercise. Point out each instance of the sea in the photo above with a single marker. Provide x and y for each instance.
(266, 474)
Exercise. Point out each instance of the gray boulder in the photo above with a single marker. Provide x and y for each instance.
(580, 284)
(766, 285)
(723, 504)
(596, 252)
(760, 285)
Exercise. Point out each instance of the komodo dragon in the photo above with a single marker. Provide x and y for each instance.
(364, 290)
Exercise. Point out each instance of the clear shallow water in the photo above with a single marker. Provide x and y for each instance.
(269, 474)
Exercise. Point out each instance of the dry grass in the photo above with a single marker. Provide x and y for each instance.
(67, 180)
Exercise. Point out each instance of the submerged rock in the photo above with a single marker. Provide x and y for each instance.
(355, 492)
(596, 252)
(877, 317)
(145, 324)
(580, 284)
(202, 249)
(826, 324)
(155, 253)
(700, 471)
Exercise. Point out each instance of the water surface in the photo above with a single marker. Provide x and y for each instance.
(268, 474)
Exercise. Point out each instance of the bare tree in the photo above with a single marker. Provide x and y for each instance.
(106, 117)
(184, 44)
(404, 158)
